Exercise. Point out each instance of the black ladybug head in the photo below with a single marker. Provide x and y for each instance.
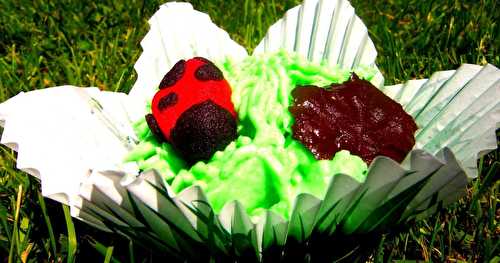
(202, 130)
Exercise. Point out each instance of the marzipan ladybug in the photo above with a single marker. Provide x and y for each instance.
(193, 110)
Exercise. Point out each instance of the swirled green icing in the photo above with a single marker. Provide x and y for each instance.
(264, 168)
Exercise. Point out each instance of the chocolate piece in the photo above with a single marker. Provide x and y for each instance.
(208, 71)
(174, 75)
(354, 116)
(153, 126)
(168, 101)
(202, 130)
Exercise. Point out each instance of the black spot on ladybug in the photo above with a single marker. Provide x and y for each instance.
(155, 129)
(168, 101)
(208, 71)
(174, 75)
(202, 130)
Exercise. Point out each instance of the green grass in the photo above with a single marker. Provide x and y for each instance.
(86, 43)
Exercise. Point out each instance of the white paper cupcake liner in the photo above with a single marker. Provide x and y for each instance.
(324, 30)
(83, 134)
(458, 109)
(59, 133)
(144, 208)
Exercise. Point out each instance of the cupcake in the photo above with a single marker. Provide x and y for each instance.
(281, 146)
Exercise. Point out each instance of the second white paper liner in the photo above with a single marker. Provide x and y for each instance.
(324, 31)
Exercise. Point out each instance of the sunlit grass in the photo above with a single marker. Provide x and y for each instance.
(85, 43)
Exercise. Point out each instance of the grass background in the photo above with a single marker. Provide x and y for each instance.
(90, 43)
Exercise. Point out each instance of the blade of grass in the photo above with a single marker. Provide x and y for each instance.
(379, 253)
(109, 254)
(435, 230)
(3, 220)
(15, 235)
(25, 227)
(486, 183)
(26, 252)
(72, 244)
(52, 238)
(105, 251)
(131, 255)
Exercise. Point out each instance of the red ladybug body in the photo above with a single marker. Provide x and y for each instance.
(193, 109)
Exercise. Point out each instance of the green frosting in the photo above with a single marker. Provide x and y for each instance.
(264, 168)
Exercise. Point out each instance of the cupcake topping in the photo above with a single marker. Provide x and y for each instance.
(193, 110)
(353, 116)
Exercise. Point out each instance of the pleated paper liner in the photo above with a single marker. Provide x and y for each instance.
(455, 110)
(144, 209)
(323, 30)
(391, 195)
(60, 133)
(458, 109)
